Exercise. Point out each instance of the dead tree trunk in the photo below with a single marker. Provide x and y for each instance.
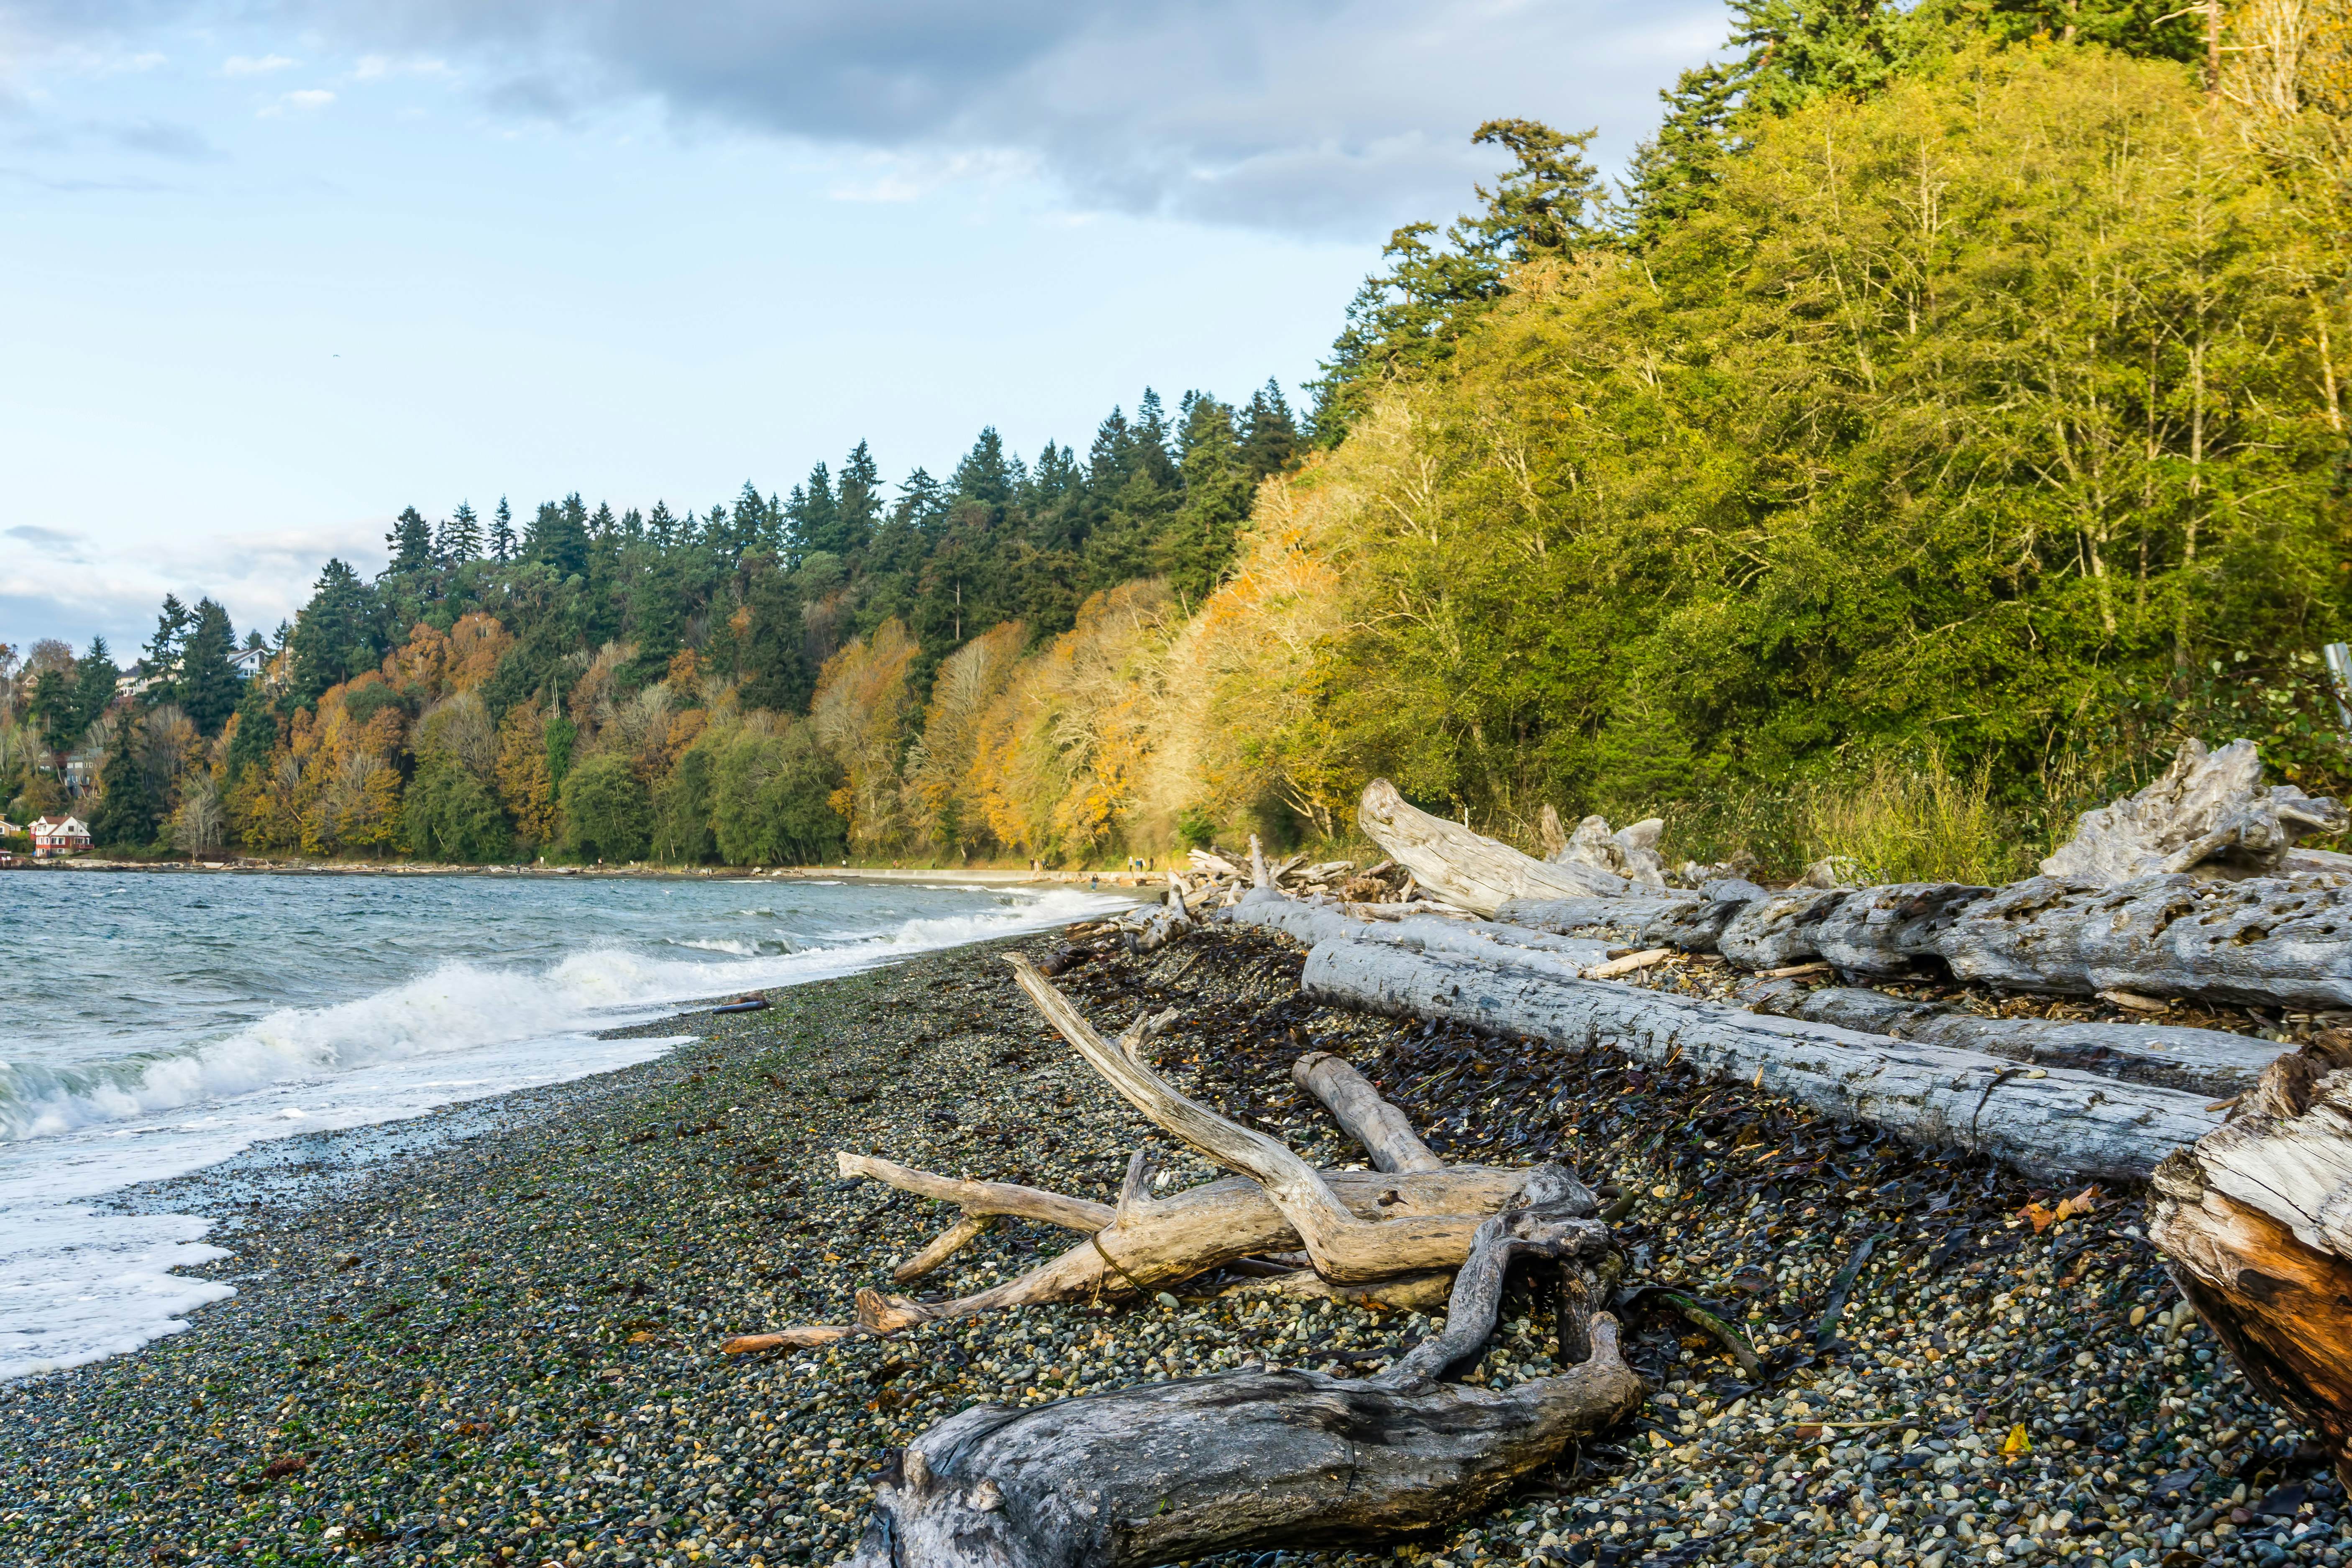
(2046, 1121)
(2208, 1062)
(1168, 1471)
(2256, 1225)
(1465, 867)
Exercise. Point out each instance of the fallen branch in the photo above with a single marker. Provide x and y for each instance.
(1383, 1130)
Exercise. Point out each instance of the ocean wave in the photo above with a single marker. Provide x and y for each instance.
(459, 1007)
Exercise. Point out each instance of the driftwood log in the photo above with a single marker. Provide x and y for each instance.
(1469, 868)
(1389, 1238)
(1264, 1456)
(2209, 1062)
(2050, 1122)
(2194, 887)
(2207, 814)
(2255, 1223)
(1168, 1471)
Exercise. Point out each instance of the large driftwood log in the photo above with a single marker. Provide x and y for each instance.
(1169, 1471)
(2271, 941)
(2209, 815)
(1465, 867)
(2255, 1223)
(2209, 1062)
(2046, 1121)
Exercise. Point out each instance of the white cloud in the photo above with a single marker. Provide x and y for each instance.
(255, 65)
(376, 67)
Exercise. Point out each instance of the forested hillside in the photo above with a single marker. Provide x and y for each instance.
(1942, 417)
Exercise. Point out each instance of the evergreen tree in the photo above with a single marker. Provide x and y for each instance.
(558, 538)
(503, 535)
(164, 649)
(256, 731)
(409, 541)
(93, 685)
(1402, 322)
(337, 634)
(1269, 435)
(208, 685)
(858, 498)
(127, 809)
(812, 517)
(662, 527)
(461, 537)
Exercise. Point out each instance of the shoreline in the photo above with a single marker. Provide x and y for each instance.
(498, 1342)
(977, 876)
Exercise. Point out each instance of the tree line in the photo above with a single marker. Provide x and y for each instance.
(1952, 383)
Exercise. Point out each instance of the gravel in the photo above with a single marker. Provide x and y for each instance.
(491, 1336)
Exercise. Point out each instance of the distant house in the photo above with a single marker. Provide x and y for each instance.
(250, 661)
(9, 829)
(53, 836)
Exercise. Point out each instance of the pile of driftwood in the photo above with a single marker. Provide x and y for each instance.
(2196, 887)
(1165, 1472)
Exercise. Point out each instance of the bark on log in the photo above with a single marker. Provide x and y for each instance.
(2207, 815)
(1465, 867)
(1384, 1130)
(1169, 1471)
(2255, 1223)
(2208, 1062)
(2282, 942)
(2049, 1123)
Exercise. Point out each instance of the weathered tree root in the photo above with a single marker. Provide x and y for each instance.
(1168, 1471)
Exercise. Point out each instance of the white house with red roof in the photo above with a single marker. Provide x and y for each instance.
(53, 836)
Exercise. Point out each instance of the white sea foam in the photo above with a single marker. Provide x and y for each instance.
(79, 1280)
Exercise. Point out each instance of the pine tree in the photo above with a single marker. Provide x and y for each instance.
(1269, 434)
(165, 649)
(661, 527)
(337, 634)
(859, 498)
(409, 541)
(812, 517)
(1550, 202)
(461, 537)
(208, 685)
(503, 534)
(127, 809)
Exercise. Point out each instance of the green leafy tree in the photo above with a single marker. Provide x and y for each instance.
(607, 814)
(451, 816)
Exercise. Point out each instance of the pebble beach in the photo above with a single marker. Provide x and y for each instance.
(491, 1336)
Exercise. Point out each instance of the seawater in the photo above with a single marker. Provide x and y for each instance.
(154, 1023)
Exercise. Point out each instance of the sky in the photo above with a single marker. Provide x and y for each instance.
(271, 272)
